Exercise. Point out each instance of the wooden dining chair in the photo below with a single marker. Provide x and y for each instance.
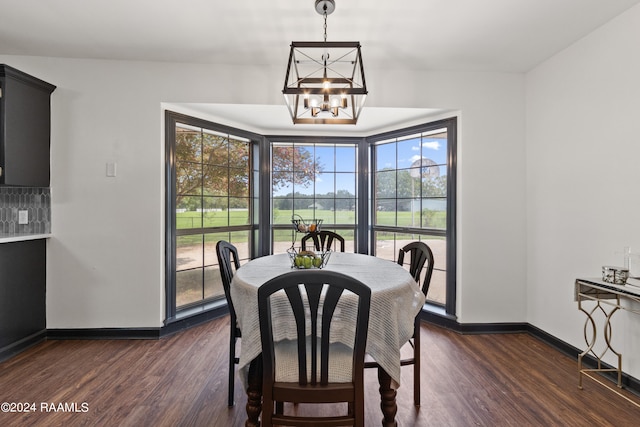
(311, 369)
(229, 262)
(419, 255)
(323, 240)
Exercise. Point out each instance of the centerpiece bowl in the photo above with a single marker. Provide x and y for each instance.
(308, 259)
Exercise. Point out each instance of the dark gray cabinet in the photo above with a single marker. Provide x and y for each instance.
(25, 128)
(23, 278)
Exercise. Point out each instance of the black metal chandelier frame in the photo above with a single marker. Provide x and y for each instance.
(322, 90)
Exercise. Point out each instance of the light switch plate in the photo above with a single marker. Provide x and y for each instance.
(111, 169)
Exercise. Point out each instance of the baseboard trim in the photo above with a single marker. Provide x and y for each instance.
(104, 334)
(136, 333)
(12, 349)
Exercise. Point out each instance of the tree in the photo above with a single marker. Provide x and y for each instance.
(391, 184)
(293, 165)
(209, 164)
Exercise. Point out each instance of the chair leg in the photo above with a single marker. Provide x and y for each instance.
(416, 363)
(232, 376)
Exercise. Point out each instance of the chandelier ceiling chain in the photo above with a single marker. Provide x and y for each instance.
(320, 91)
(325, 25)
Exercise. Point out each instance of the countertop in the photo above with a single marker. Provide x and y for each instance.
(23, 237)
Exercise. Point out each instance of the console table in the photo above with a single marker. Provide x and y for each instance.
(608, 298)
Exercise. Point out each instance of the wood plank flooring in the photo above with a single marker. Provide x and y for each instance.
(467, 380)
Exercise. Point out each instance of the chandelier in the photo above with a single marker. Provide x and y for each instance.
(325, 81)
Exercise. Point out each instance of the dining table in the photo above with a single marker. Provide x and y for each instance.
(396, 299)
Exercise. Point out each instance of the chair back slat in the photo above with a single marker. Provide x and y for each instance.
(297, 306)
(328, 309)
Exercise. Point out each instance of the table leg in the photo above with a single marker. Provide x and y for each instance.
(590, 338)
(254, 392)
(387, 399)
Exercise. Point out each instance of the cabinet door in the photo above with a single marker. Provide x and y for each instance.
(22, 290)
(25, 127)
(27, 123)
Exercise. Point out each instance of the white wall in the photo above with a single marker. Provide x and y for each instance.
(583, 151)
(105, 261)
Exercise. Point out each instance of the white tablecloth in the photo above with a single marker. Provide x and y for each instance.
(395, 301)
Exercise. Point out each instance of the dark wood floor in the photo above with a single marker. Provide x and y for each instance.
(467, 380)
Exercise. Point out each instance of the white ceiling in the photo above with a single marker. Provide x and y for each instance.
(470, 35)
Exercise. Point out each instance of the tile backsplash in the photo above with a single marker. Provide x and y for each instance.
(35, 200)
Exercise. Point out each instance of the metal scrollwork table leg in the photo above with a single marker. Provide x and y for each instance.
(591, 341)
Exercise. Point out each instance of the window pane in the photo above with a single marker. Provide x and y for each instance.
(188, 287)
(210, 241)
(215, 180)
(238, 211)
(238, 154)
(385, 156)
(282, 183)
(325, 185)
(345, 159)
(215, 150)
(406, 186)
(434, 147)
(385, 245)
(239, 182)
(345, 184)
(302, 185)
(188, 144)
(434, 213)
(408, 213)
(386, 212)
(282, 240)
(213, 283)
(240, 239)
(189, 252)
(325, 210)
(215, 212)
(325, 158)
(434, 187)
(345, 211)
(189, 212)
(282, 158)
(282, 210)
(438, 287)
(188, 178)
(386, 184)
(303, 158)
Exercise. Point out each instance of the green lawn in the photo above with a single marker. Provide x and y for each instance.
(187, 220)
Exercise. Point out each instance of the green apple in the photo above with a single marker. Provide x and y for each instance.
(307, 262)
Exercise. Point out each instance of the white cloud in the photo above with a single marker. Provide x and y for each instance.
(434, 145)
